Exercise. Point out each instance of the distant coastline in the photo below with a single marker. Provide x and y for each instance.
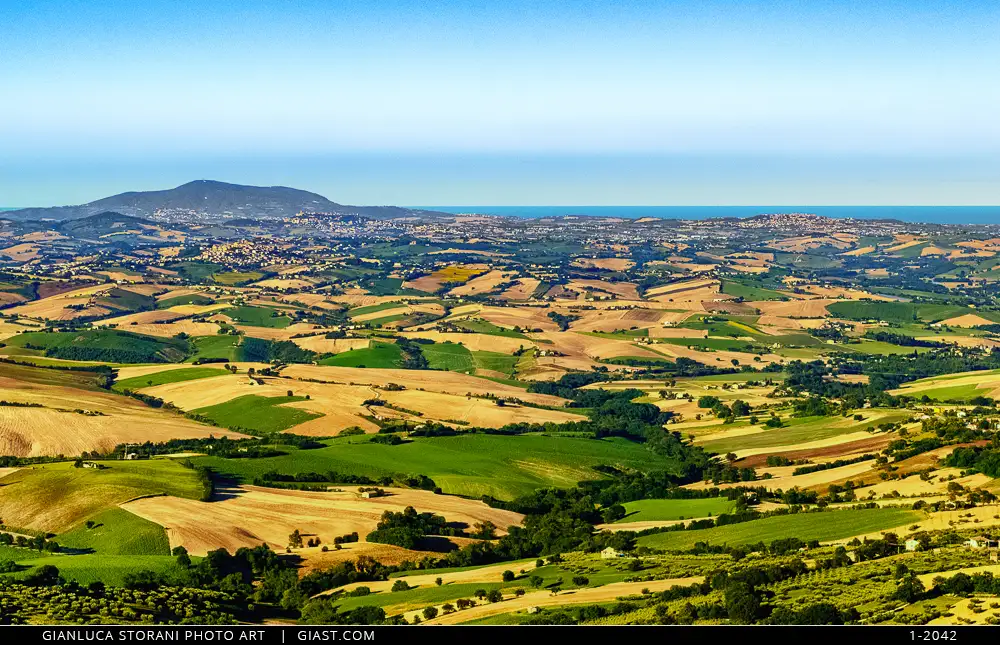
(914, 214)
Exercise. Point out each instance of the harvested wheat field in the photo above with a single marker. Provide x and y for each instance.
(865, 250)
(474, 342)
(433, 381)
(283, 283)
(171, 329)
(968, 320)
(57, 307)
(483, 284)
(21, 252)
(57, 428)
(455, 273)
(509, 317)
(620, 289)
(812, 308)
(914, 485)
(583, 346)
(585, 595)
(685, 285)
(523, 290)
(142, 317)
(476, 412)
(251, 515)
(321, 344)
(609, 264)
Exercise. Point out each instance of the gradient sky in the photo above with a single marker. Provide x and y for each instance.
(464, 102)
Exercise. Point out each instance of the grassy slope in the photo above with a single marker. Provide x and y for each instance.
(448, 356)
(57, 497)
(472, 465)
(802, 431)
(648, 510)
(262, 414)
(168, 376)
(118, 532)
(258, 317)
(830, 525)
(376, 355)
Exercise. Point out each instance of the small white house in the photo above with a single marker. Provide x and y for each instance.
(912, 545)
(610, 553)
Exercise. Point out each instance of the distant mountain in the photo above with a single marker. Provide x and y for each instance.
(215, 198)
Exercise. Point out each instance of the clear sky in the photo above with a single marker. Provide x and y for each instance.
(513, 102)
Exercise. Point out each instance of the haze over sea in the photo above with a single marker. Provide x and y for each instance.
(918, 214)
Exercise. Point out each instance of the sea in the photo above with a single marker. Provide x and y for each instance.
(916, 214)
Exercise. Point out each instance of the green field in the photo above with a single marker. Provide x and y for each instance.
(495, 362)
(828, 525)
(109, 569)
(189, 299)
(57, 497)
(448, 356)
(257, 414)
(195, 271)
(949, 393)
(881, 348)
(650, 510)
(105, 345)
(117, 532)
(723, 344)
(750, 292)
(472, 465)
(902, 312)
(237, 277)
(258, 317)
(486, 327)
(803, 430)
(218, 346)
(168, 376)
(382, 306)
(376, 355)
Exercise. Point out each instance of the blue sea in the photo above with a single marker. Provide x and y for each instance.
(922, 214)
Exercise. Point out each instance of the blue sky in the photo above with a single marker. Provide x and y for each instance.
(554, 102)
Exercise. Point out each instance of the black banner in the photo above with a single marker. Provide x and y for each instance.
(480, 635)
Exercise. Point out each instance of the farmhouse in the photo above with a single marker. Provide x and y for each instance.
(610, 553)
(981, 542)
(912, 545)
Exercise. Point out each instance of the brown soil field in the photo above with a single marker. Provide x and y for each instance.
(523, 290)
(724, 307)
(483, 284)
(7, 298)
(251, 515)
(315, 559)
(56, 429)
(42, 236)
(586, 595)
(361, 300)
(455, 273)
(694, 267)
(809, 243)
(610, 264)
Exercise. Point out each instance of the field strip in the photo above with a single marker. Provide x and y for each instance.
(588, 595)
(491, 573)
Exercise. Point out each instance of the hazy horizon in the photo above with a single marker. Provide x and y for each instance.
(522, 103)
